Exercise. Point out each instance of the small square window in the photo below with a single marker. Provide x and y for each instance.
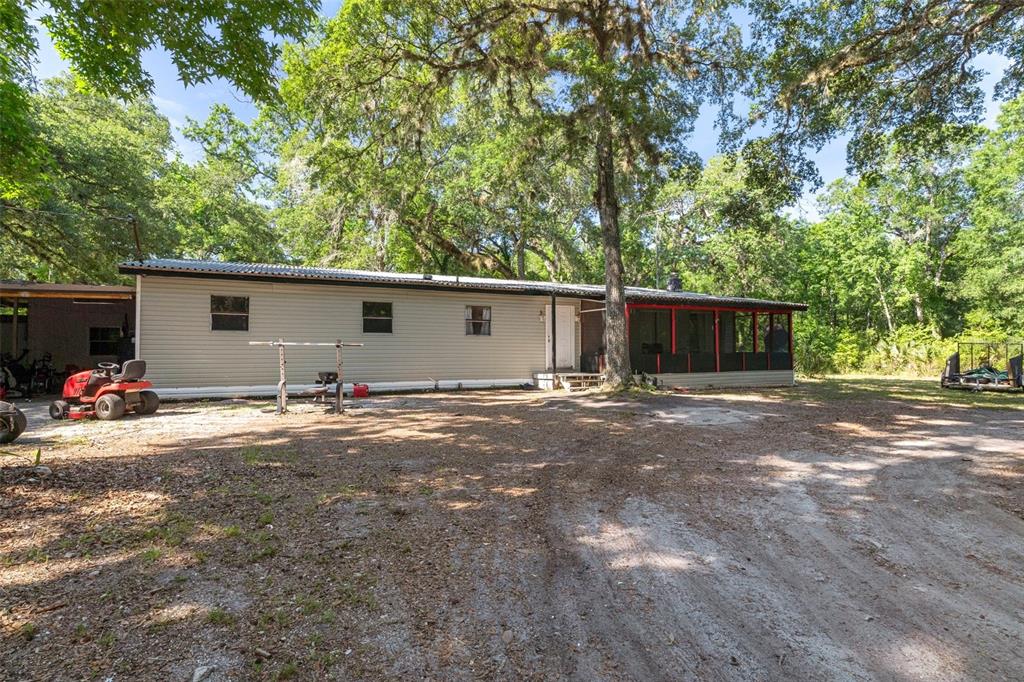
(229, 313)
(478, 320)
(377, 317)
(103, 340)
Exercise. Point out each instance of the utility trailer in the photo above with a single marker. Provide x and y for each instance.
(984, 358)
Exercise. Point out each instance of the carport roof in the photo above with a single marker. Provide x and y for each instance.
(22, 289)
(298, 273)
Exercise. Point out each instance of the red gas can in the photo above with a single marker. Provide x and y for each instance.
(360, 391)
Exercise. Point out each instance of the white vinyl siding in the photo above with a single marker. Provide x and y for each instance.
(429, 341)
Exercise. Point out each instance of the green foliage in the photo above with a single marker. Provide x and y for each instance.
(110, 165)
(878, 71)
(544, 142)
(104, 43)
(101, 158)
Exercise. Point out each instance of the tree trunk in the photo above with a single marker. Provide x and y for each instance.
(919, 308)
(521, 257)
(885, 303)
(615, 341)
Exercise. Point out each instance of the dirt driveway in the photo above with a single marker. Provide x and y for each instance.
(824, 532)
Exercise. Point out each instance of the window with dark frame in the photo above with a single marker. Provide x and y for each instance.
(103, 340)
(478, 320)
(229, 313)
(377, 317)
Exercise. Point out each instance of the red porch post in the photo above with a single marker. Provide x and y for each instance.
(790, 326)
(718, 358)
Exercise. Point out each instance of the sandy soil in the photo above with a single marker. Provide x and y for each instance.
(798, 534)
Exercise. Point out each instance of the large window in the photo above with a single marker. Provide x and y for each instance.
(229, 313)
(103, 340)
(478, 320)
(377, 318)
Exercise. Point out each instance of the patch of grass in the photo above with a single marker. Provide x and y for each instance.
(261, 497)
(265, 519)
(867, 387)
(151, 555)
(426, 490)
(265, 545)
(349, 490)
(279, 617)
(232, 531)
(173, 529)
(28, 631)
(220, 617)
(287, 671)
(309, 604)
(107, 640)
(356, 596)
(254, 454)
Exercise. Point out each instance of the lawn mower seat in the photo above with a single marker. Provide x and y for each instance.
(133, 370)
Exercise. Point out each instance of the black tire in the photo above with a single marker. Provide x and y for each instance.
(12, 426)
(149, 402)
(110, 407)
(58, 409)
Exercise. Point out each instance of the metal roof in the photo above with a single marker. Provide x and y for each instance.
(300, 273)
(11, 288)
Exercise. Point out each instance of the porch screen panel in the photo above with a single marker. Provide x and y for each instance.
(759, 360)
(649, 336)
(779, 342)
(730, 358)
(745, 339)
(696, 338)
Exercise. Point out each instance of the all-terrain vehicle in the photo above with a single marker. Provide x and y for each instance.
(106, 392)
(12, 423)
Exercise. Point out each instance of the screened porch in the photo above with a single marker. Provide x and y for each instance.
(667, 339)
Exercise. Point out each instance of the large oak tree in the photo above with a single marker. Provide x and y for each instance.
(620, 82)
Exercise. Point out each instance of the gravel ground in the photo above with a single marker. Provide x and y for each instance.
(832, 531)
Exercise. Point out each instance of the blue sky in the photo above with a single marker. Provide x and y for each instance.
(177, 103)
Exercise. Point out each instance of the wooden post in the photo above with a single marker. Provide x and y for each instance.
(339, 393)
(718, 353)
(14, 326)
(554, 338)
(282, 385)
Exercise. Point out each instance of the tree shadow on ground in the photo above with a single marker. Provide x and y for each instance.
(527, 535)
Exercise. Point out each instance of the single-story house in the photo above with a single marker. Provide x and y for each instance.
(196, 319)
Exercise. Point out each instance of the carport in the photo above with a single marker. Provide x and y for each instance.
(78, 325)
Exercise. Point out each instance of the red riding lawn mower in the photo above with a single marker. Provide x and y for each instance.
(106, 392)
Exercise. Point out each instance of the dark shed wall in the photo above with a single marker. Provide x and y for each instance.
(61, 327)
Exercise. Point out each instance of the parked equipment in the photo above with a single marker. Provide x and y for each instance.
(324, 377)
(107, 392)
(15, 378)
(12, 423)
(984, 359)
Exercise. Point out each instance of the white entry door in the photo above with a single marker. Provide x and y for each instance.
(565, 340)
